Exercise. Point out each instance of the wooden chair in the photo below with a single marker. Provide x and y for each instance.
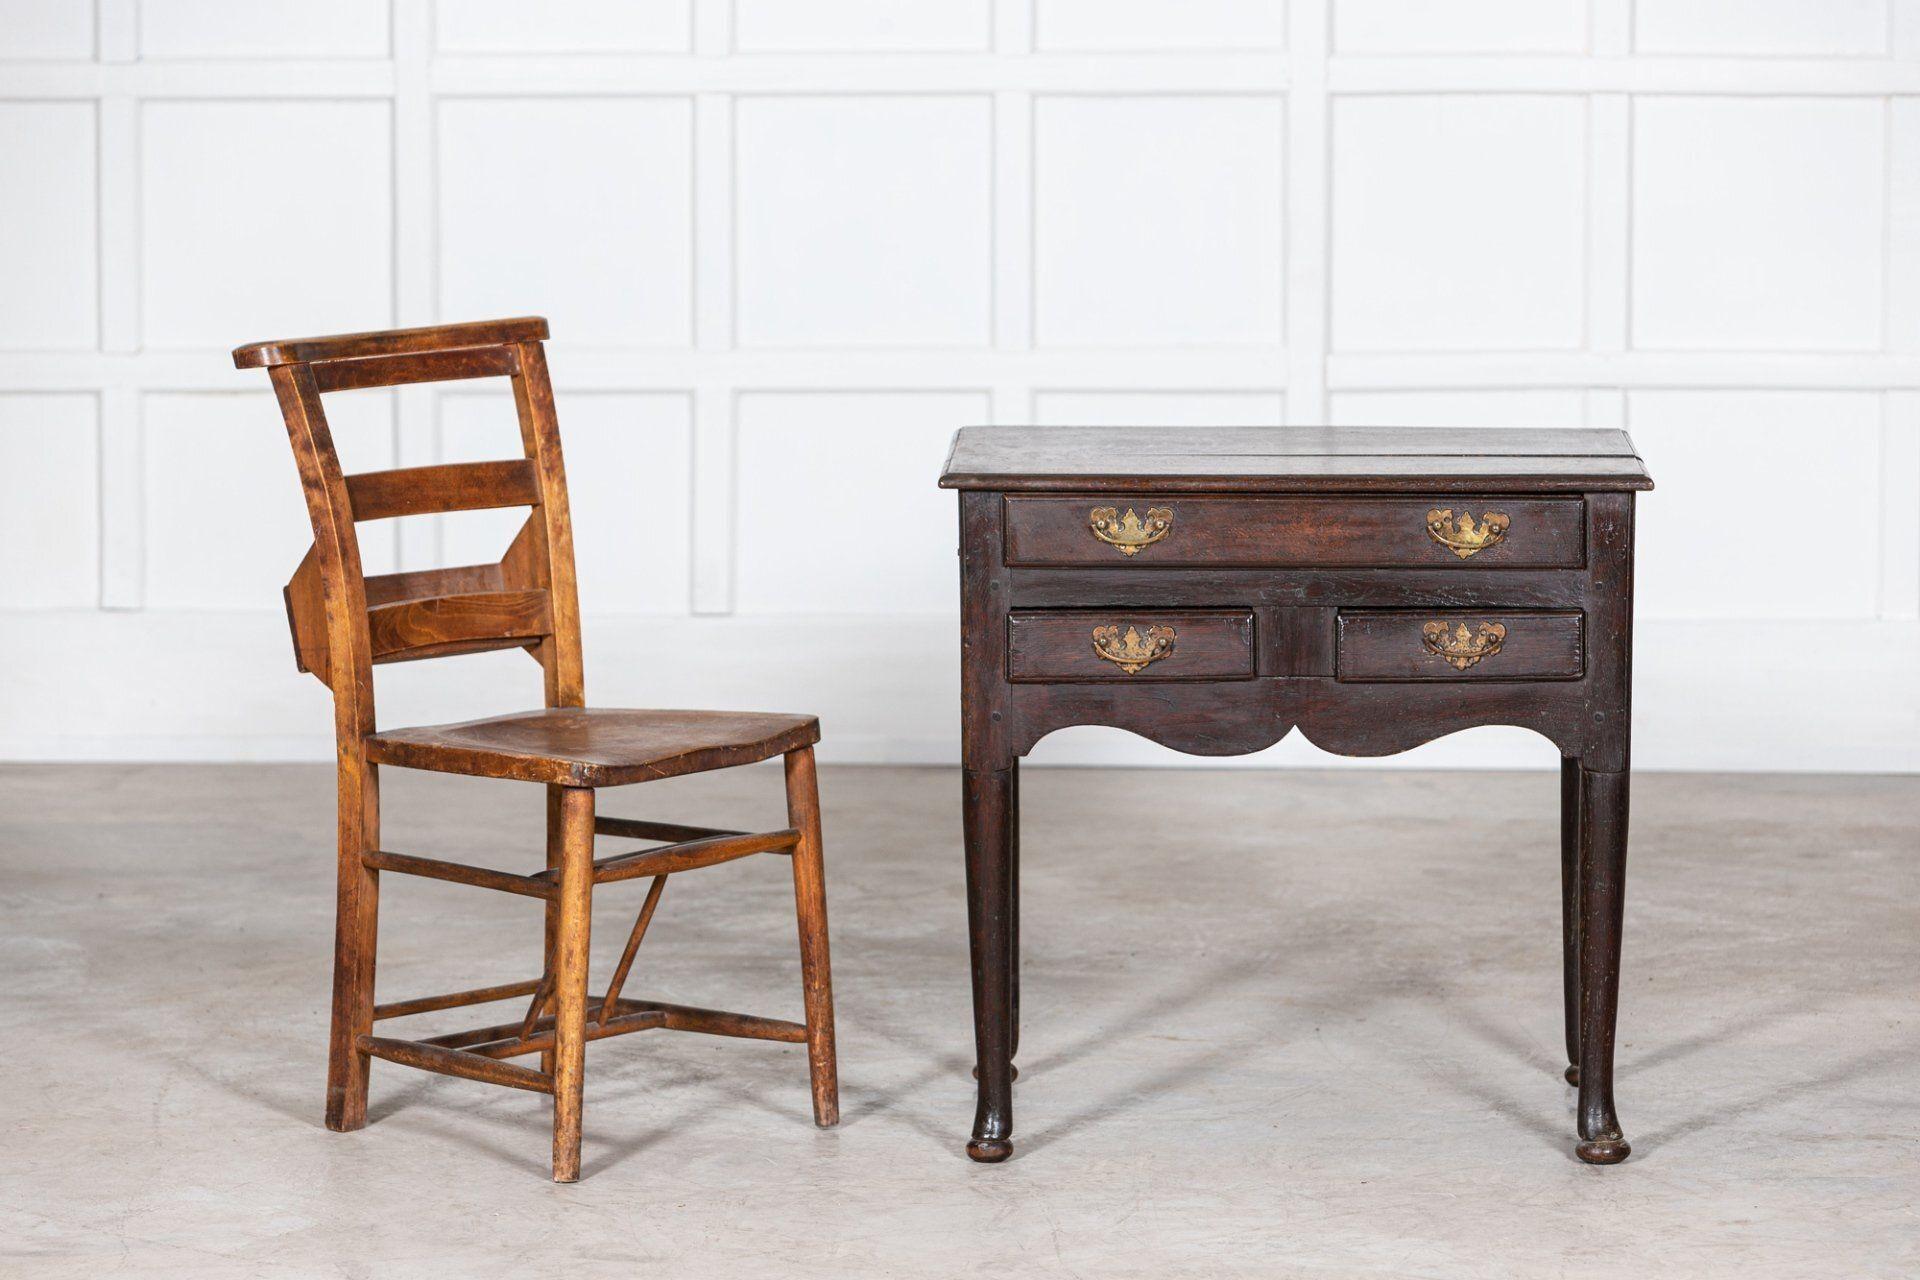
(345, 623)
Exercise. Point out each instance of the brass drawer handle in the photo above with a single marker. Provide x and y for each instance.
(1129, 652)
(1130, 532)
(1462, 536)
(1463, 648)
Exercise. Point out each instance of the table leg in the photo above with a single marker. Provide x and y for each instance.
(1570, 907)
(1603, 866)
(1013, 906)
(990, 915)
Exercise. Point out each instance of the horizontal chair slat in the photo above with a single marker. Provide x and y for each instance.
(451, 486)
(640, 829)
(449, 648)
(509, 1043)
(688, 856)
(425, 366)
(418, 584)
(716, 1022)
(390, 342)
(459, 873)
(454, 999)
(452, 1062)
(455, 624)
(505, 1041)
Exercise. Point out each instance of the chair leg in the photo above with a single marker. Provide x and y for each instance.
(551, 926)
(572, 936)
(355, 940)
(810, 903)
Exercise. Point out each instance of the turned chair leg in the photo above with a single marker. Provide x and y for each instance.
(572, 936)
(355, 940)
(810, 904)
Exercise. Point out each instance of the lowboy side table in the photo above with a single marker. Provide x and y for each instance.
(1213, 589)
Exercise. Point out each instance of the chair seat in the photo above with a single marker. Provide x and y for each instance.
(592, 747)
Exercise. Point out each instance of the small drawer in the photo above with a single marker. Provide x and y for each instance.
(1345, 532)
(1458, 644)
(1122, 644)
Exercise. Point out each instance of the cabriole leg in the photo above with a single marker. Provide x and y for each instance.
(1013, 926)
(988, 798)
(1013, 908)
(1603, 865)
(1570, 907)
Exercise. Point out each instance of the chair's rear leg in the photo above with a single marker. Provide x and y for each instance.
(572, 935)
(355, 939)
(552, 926)
(810, 903)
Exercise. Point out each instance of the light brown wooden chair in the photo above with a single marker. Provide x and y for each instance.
(345, 623)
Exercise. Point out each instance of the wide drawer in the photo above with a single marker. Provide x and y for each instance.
(1138, 644)
(1351, 532)
(1458, 644)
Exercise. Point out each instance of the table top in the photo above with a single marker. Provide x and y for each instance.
(1292, 459)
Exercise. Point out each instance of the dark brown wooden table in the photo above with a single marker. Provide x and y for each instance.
(1215, 588)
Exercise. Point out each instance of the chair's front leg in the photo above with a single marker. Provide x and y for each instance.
(355, 938)
(810, 903)
(573, 927)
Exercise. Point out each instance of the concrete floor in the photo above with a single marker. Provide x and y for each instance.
(1278, 1024)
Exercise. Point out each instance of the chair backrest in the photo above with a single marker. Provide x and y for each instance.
(344, 622)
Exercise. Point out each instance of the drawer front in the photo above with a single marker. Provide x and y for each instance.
(1358, 532)
(1458, 644)
(1130, 644)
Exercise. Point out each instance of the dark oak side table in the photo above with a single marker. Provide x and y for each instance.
(1214, 588)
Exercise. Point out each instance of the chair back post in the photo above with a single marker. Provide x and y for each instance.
(335, 553)
(552, 528)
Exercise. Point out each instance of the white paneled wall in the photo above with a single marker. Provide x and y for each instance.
(863, 220)
(788, 246)
(602, 197)
(1497, 262)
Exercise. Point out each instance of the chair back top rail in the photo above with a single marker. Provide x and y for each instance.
(390, 342)
(422, 366)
